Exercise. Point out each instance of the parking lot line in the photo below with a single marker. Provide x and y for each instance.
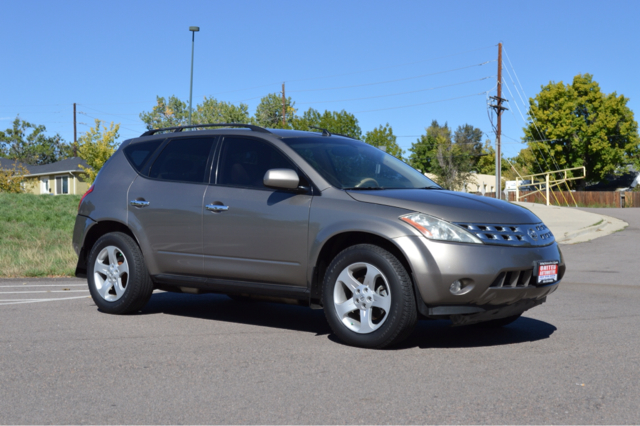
(41, 291)
(40, 300)
(43, 285)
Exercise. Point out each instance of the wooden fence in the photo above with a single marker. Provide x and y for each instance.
(582, 198)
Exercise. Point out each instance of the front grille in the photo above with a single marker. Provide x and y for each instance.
(511, 235)
(514, 279)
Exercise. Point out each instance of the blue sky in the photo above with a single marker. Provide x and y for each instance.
(405, 63)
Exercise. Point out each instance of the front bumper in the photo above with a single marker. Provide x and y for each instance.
(492, 276)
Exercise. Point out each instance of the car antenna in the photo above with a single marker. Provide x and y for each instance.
(325, 132)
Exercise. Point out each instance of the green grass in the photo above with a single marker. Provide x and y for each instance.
(35, 235)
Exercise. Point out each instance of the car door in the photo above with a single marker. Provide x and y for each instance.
(251, 232)
(165, 205)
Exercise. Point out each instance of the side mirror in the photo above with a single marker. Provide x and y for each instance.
(281, 179)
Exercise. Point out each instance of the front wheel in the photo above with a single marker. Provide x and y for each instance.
(119, 282)
(368, 297)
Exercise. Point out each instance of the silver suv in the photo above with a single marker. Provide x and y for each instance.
(309, 218)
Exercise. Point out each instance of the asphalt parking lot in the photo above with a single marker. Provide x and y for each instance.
(209, 359)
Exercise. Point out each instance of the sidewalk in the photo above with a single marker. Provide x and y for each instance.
(571, 225)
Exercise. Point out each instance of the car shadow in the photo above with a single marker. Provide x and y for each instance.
(440, 334)
(219, 307)
(427, 334)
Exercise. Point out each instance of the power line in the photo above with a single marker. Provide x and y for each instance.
(424, 103)
(395, 94)
(533, 118)
(391, 81)
(551, 156)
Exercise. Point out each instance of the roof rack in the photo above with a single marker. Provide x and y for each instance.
(181, 128)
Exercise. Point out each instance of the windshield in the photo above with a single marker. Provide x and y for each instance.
(352, 164)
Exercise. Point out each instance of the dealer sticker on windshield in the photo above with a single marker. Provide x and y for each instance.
(547, 271)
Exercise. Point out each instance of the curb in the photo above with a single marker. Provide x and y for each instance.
(608, 225)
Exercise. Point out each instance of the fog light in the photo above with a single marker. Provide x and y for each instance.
(461, 286)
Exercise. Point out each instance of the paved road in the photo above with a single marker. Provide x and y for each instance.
(208, 359)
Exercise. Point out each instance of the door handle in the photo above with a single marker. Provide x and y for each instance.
(139, 203)
(217, 208)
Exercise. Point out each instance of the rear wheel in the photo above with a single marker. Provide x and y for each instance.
(119, 282)
(368, 297)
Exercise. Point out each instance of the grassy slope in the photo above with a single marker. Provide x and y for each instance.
(35, 235)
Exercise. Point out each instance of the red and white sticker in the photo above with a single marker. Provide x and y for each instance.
(547, 272)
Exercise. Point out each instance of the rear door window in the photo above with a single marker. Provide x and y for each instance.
(184, 160)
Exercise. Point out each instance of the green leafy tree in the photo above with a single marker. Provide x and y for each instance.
(423, 154)
(96, 146)
(382, 136)
(451, 161)
(486, 163)
(341, 122)
(28, 143)
(166, 113)
(578, 125)
(525, 163)
(214, 111)
(269, 112)
(469, 140)
(11, 179)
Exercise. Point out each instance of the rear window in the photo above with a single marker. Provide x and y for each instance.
(139, 153)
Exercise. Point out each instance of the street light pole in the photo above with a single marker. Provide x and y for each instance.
(193, 42)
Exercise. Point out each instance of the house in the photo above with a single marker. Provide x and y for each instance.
(62, 177)
(477, 183)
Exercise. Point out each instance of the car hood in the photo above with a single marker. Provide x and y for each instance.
(449, 205)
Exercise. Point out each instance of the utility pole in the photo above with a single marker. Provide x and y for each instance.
(284, 108)
(499, 108)
(75, 133)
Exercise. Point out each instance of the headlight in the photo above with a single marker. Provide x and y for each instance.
(436, 229)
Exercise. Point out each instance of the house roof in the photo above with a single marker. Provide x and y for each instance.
(7, 163)
(68, 165)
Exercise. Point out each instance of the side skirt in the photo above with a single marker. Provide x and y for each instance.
(244, 288)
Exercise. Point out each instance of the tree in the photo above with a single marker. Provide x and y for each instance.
(28, 143)
(578, 125)
(486, 164)
(171, 113)
(469, 140)
(436, 153)
(423, 154)
(341, 122)
(96, 146)
(269, 112)
(11, 179)
(382, 136)
(214, 111)
(524, 163)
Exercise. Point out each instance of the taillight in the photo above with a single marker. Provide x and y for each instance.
(89, 191)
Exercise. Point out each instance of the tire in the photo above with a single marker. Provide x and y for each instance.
(118, 279)
(368, 297)
(497, 323)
